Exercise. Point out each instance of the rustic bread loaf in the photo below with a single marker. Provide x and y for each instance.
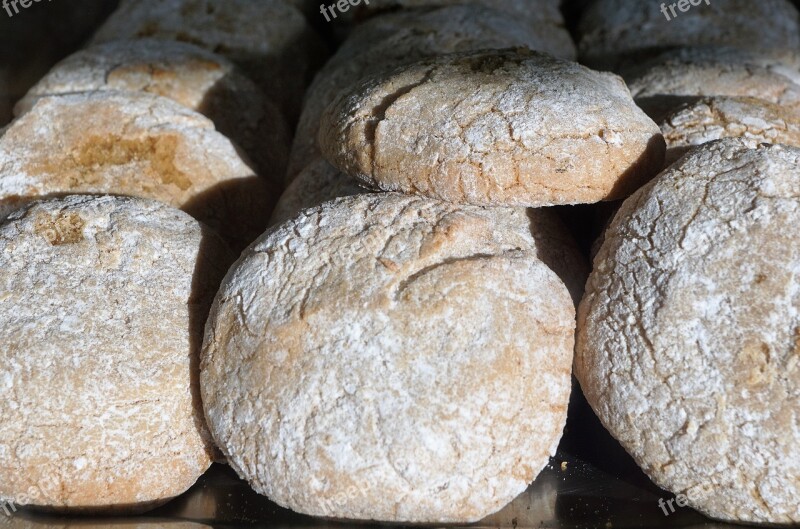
(133, 144)
(499, 128)
(390, 40)
(688, 344)
(614, 33)
(269, 39)
(385, 357)
(661, 85)
(752, 120)
(187, 74)
(534, 13)
(104, 301)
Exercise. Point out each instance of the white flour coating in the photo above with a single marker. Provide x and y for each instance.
(187, 74)
(269, 39)
(754, 121)
(613, 32)
(103, 304)
(665, 82)
(385, 357)
(133, 144)
(688, 343)
(392, 39)
(505, 127)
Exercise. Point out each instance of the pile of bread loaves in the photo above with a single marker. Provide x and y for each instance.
(397, 338)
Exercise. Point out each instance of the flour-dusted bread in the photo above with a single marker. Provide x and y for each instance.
(689, 334)
(403, 37)
(661, 85)
(501, 128)
(319, 182)
(534, 13)
(104, 301)
(269, 39)
(133, 144)
(752, 120)
(387, 357)
(613, 33)
(187, 74)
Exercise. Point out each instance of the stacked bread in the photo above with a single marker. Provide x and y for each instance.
(406, 355)
(130, 170)
(399, 345)
(711, 73)
(689, 332)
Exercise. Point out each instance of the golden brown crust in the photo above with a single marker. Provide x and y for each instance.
(190, 76)
(136, 145)
(507, 127)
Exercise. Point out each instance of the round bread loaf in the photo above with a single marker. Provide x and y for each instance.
(506, 127)
(104, 301)
(390, 40)
(386, 357)
(133, 144)
(269, 39)
(618, 32)
(189, 75)
(533, 13)
(319, 182)
(661, 85)
(753, 120)
(688, 342)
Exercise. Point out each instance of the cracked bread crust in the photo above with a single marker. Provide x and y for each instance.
(270, 40)
(320, 182)
(104, 300)
(614, 33)
(754, 121)
(688, 344)
(386, 357)
(133, 144)
(670, 80)
(506, 127)
(190, 76)
(387, 41)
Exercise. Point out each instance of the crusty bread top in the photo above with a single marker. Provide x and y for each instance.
(504, 127)
(269, 39)
(394, 352)
(615, 32)
(752, 120)
(402, 37)
(689, 333)
(132, 144)
(665, 82)
(104, 300)
(187, 74)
